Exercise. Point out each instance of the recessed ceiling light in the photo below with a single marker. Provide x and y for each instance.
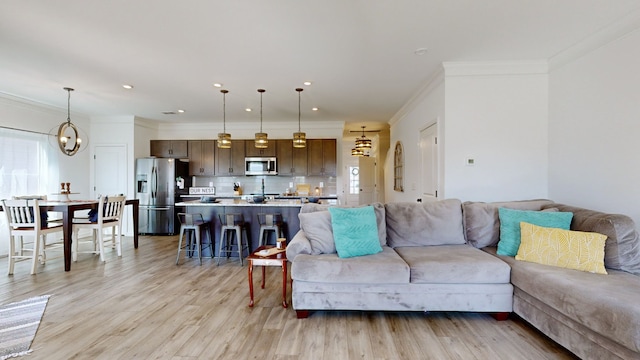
(247, 109)
(314, 109)
(217, 85)
(127, 86)
(180, 111)
(420, 51)
(307, 83)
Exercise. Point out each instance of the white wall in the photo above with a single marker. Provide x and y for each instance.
(423, 110)
(496, 113)
(595, 129)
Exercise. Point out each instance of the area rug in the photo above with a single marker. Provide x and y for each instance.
(19, 322)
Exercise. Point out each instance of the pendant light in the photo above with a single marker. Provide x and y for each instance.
(68, 139)
(357, 152)
(362, 142)
(261, 140)
(299, 138)
(224, 139)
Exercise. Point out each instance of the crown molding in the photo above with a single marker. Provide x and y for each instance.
(20, 102)
(626, 25)
(493, 68)
(436, 79)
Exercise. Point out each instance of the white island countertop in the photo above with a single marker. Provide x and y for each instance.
(240, 202)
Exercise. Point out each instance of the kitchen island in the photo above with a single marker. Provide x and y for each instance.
(212, 211)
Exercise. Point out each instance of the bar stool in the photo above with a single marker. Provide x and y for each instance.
(269, 222)
(193, 224)
(233, 225)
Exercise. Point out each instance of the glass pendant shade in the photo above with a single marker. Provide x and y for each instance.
(363, 143)
(299, 138)
(224, 138)
(68, 138)
(261, 140)
(357, 152)
(224, 141)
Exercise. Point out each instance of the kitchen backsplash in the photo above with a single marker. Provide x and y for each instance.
(272, 184)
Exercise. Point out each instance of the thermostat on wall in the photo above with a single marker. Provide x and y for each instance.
(470, 161)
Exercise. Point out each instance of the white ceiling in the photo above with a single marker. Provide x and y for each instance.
(359, 54)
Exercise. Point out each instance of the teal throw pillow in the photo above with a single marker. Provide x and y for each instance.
(355, 231)
(510, 226)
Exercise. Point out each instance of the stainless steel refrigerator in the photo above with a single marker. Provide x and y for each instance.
(156, 190)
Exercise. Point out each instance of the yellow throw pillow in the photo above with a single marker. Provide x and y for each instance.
(563, 248)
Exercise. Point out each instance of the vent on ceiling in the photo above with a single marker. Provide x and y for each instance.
(169, 112)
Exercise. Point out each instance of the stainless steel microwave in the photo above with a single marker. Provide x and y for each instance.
(260, 166)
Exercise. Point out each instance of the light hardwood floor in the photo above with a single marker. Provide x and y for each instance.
(144, 306)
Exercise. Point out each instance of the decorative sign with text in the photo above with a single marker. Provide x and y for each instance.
(202, 191)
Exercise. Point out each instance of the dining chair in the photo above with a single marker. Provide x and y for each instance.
(46, 220)
(110, 209)
(24, 220)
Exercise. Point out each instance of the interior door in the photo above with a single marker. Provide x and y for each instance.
(110, 170)
(367, 167)
(110, 177)
(429, 153)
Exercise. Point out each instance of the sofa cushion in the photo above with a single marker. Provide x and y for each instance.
(420, 224)
(577, 250)
(481, 222)
(318, 230)
(354, 231)
(454, 264)
(622, 248)
(606, 304)
(377, 207)
(510, 226)
(385, 267)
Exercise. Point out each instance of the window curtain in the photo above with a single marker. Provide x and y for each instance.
(28, 163)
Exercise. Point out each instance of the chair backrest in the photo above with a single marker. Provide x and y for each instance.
(269, 219)
(110, 208)
(231, 219)
(22, 214)
(30, 197)
(190, 219)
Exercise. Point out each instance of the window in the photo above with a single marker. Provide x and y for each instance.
(398, 168)
(27, 165)
(354, 180)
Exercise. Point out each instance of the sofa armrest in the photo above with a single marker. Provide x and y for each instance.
(298, 245)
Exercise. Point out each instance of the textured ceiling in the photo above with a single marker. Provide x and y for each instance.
(359, 54)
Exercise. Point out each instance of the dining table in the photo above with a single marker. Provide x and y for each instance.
(68, 207)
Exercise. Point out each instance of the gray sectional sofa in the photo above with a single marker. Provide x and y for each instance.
(441, 256)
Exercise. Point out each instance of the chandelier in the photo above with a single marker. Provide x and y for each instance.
(362, 142)
(68, 138)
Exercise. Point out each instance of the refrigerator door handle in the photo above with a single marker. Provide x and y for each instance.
(154, 182)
